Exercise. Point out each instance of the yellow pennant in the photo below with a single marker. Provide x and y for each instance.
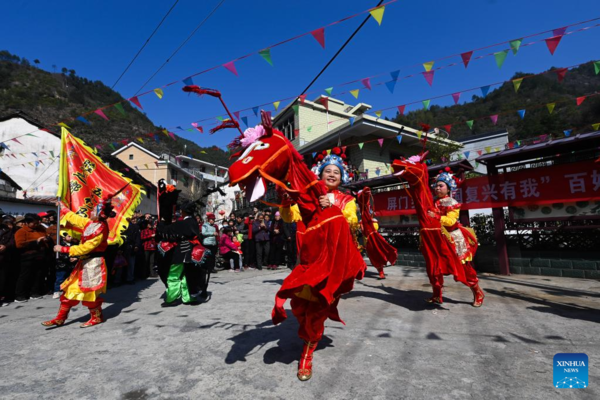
(378, 113)
(140, 140)
(166, 132)
(328, 152)
(146, 166)
(428, 65)
(355, 93)
(64, 125)
(517, 83)
(377, 13)
(419, 133)
(276, 104)
(488, 149)
(159, 93)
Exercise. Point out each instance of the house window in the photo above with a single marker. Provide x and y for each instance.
(174, 175)
(131, 156)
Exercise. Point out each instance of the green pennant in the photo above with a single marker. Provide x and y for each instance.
(597, 67)
(309, 128)
(266, 54)
(550, 107)
(328, 91)
(30, 134)
(295, 107)
(500, 57)
(119, 107)
(360, 145)
(470, 124)
(426, 104)
(514, 45)
(111, 146)
(51, 154)
(221, 118)
(517, 83)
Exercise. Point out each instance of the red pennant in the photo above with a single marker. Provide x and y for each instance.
(466, 57)
(230, 66)
(401, 110)
(511, 145)
(344, 149)
(136, 101)
(15, 140)
(366, 82)
(560, 73)
(296, 132)
(100, 113)
(237, 115)
(456, 97)
(447, 128)
(480, 152)
(580, 100)
(325, 102)
(319, 35)
(552, 43)
(302, 98)
(429, 76)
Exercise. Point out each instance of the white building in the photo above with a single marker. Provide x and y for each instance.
(477, 145)
(29, 155)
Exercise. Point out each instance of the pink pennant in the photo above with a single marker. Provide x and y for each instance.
(136, 101)
(366, 82)
(319, 35)
(13, 156)
(456, 97)
(380, 142)
(401, 109)
(237, 115)
(15, 140)
(494, 118)
(560, 73)
(429, 76)
(172, 135)
(543, 137)
(302, 98)
(230, 66)
(580, 100)
(100, 113)
(552, 43)
(559, 31)
(466, 58)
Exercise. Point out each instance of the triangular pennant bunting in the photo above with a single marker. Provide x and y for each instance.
(560, 74)
(390, 85)
(447, 128)
(580, 100)
(559, 31)
(596, 126)
(85, 121)
(494, 118)
(399, 137)
(159, 93)
(351, 119)
(377, 14)
(466, 154)
(466, 58)
(302, 97)
(295, 107)
(419, 134)
(517, 83)
(319, 35)
(378, 113)
(325, 102)
(597, 67)
(485, 90)
(188, 81)
(426, 104)
(255, 111)
(428, 75)
(552, 43)
(328, 91)
(63, 125)
(136, 101)
(514, 45)
(550, 107)
(366, 82)
(401, 110)
(236, 114)
(500, 57)
(456, 97)
(100, 113)
(428, 65)
(266, 54)
(276, 105)
(521, 113)
(230, 66)
(488, 149)
(360, 145)
(245, 121)
(355, 93)
(119, 107)
(470, 124)
(380, 142)
(568, 132)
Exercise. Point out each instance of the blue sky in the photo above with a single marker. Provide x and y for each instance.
(98, 39)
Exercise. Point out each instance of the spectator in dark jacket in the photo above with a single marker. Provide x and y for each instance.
(131, 246)
(7, 259)
(277, 242)
(260, 232)
(289, 231)
(33, 244)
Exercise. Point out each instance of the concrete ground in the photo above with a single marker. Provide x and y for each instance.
(394, 345)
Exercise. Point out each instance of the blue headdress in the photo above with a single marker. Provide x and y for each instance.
(449, 179)
(333, 159)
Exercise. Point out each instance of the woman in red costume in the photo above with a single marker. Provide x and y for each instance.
(306, 307)
(88, 280)
(464, 241)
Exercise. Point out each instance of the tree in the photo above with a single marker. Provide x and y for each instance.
(36, 61)
(64, 70)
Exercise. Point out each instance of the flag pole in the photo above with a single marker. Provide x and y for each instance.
(58, 223)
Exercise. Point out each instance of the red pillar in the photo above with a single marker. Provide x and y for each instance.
(498, 214)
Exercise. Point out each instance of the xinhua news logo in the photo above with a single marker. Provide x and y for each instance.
(570, 371)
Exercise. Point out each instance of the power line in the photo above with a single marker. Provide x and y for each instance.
(146, 43)
(181, 45)
(340, 50)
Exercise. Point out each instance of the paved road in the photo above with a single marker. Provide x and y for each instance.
(394, 345)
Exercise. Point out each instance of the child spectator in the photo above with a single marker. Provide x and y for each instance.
(229, 250)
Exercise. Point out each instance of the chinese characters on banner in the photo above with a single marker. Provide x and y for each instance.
(85, 181)
(555, 184)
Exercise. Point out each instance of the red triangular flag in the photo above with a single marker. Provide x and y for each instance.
(429, 76)
(480, 152)
(100, 113)
(302, 98)
(15, 140)
(230, 66)
(447, 128)
(325, 102)
(466, 57)
(401, 110)
(552, 43)
(580, 100)
(344, 149)
(319, 35)
(296, 132)
(561, 74)
(456, 97)
(136, 101)
(366, 82)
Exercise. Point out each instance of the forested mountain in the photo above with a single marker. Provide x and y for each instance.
(50, 97)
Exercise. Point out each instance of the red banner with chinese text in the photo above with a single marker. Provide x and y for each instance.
(85, 181)
(555, 184)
